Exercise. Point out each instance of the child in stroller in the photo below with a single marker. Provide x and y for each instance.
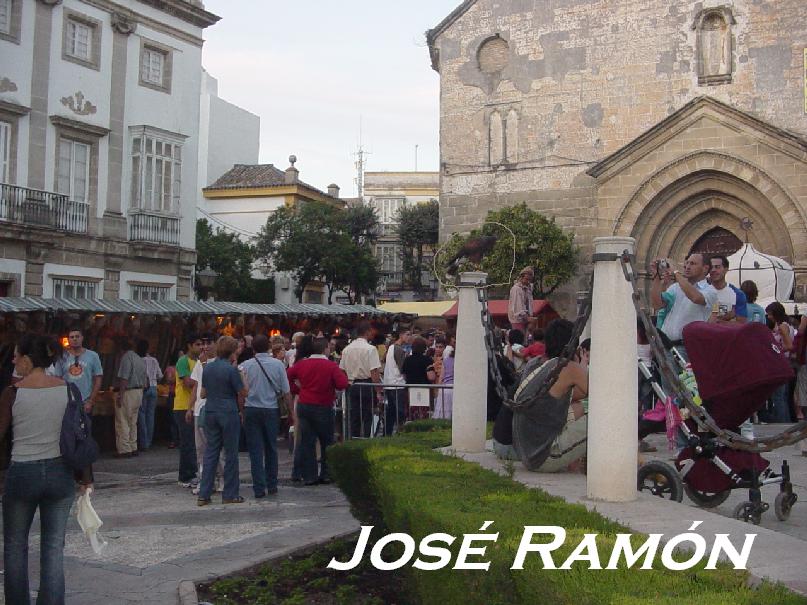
(737, 368)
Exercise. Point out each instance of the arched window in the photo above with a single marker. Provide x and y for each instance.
(511, 137)
(493, 55)
(713, 30)
(496, 140)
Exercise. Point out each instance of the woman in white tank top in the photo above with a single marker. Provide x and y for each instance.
(37, 477)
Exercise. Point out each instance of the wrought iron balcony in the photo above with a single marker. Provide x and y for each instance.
(390, 280)
(36, 208)
(146, 226)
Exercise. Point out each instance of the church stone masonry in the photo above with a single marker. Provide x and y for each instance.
(668, 121)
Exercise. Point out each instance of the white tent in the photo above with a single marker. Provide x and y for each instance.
(773, 276)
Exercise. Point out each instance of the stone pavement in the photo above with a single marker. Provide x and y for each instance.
(780, 548)
(157, 536)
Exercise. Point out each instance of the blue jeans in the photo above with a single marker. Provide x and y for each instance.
(315, 422)
(145, 418)
(780, 408)
(49, 486)
(222, 430)
(261, 426)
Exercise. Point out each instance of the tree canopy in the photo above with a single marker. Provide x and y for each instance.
(230, 257)
(539, 242)
(418, 227)
(320, 242)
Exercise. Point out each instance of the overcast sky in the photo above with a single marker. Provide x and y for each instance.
(313, 69)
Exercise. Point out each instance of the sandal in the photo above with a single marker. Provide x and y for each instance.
(204, 501)
(236, 500)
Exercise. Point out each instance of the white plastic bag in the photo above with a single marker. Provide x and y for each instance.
(90, 522)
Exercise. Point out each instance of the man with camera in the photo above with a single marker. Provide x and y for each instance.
(692, 298)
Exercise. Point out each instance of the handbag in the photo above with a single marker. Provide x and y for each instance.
(281, 400)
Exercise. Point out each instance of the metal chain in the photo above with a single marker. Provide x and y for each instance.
(698, 413)
(492, 345)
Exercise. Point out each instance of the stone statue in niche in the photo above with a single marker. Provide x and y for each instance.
(714, 46)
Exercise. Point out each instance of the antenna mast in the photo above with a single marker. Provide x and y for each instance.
(360, 162)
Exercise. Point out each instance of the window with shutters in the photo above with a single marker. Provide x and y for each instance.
(155, 66)
(65, 287)
(81, 40)
(73, 170)
(5, 152)
(10, 20)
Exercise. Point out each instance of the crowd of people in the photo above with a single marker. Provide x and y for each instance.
(699, 292)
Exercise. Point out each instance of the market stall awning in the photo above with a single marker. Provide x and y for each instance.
(176, 307)
(498, 309)
(422, 309)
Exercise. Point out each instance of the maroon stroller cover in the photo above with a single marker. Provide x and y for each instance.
(737, 367)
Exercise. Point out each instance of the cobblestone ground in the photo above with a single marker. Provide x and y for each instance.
(157, 535)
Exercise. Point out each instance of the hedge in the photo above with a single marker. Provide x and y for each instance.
(405, 486)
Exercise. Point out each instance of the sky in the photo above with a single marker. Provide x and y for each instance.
(318, 72)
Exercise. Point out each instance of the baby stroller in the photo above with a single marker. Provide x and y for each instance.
(737, 368)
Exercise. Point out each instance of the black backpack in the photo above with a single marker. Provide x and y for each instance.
(79, 449)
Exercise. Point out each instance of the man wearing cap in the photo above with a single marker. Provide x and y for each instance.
(519, 308)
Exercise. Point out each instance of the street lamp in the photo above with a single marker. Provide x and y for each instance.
(205, 279)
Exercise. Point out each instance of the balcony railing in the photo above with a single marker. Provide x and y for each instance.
(145, 226)
(390, 281)
(37, 208)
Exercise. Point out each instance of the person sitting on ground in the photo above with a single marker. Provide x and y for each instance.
(537, 350)
(549, 435)
(515, 348)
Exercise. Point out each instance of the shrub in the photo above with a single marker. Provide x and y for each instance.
(413, 489)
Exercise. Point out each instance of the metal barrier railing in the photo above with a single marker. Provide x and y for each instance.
(366, 415)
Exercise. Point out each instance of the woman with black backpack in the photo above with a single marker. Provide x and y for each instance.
(38, 477)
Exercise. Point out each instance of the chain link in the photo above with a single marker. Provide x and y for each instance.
(698, 413)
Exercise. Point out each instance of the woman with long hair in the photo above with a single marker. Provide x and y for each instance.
(783, 334)
(38, 478)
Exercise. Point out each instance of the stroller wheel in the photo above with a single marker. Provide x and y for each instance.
(783, 505)
(660, 479)
(748, 512)
(706, 499)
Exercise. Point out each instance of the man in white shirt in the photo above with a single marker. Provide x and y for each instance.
(361, 364)
(395, 411)
(693, 298)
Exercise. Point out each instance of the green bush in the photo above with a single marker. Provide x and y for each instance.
(413, 489)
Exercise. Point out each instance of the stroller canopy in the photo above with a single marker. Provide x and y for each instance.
(737, 367)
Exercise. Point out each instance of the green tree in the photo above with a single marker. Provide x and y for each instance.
(418, 228)
(320, 242)
(539, 242)
(230, 257)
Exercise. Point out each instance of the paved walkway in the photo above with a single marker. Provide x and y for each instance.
(780, 549)
(157, 536)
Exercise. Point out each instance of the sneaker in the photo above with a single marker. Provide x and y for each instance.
(219, 485)
(185, 484)
(195, 491)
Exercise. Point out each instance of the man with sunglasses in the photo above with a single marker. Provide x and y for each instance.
(82, 367)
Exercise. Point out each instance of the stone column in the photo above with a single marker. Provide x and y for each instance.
(613, 382)
(469, 415)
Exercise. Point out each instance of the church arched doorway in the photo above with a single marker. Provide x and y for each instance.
(717, 240)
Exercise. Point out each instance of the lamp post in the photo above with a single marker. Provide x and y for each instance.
(205, 279)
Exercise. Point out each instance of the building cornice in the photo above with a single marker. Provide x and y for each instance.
(434, 33)
(14, 108)
(134, 18)
(92, 129)
(187, 11)
(291, 193)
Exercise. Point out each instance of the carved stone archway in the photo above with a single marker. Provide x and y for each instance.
(675, 206)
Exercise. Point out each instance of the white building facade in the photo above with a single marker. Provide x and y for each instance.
(387, 193)
(99, 140)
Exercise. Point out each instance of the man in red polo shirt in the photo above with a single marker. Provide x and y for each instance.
(315, 379)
